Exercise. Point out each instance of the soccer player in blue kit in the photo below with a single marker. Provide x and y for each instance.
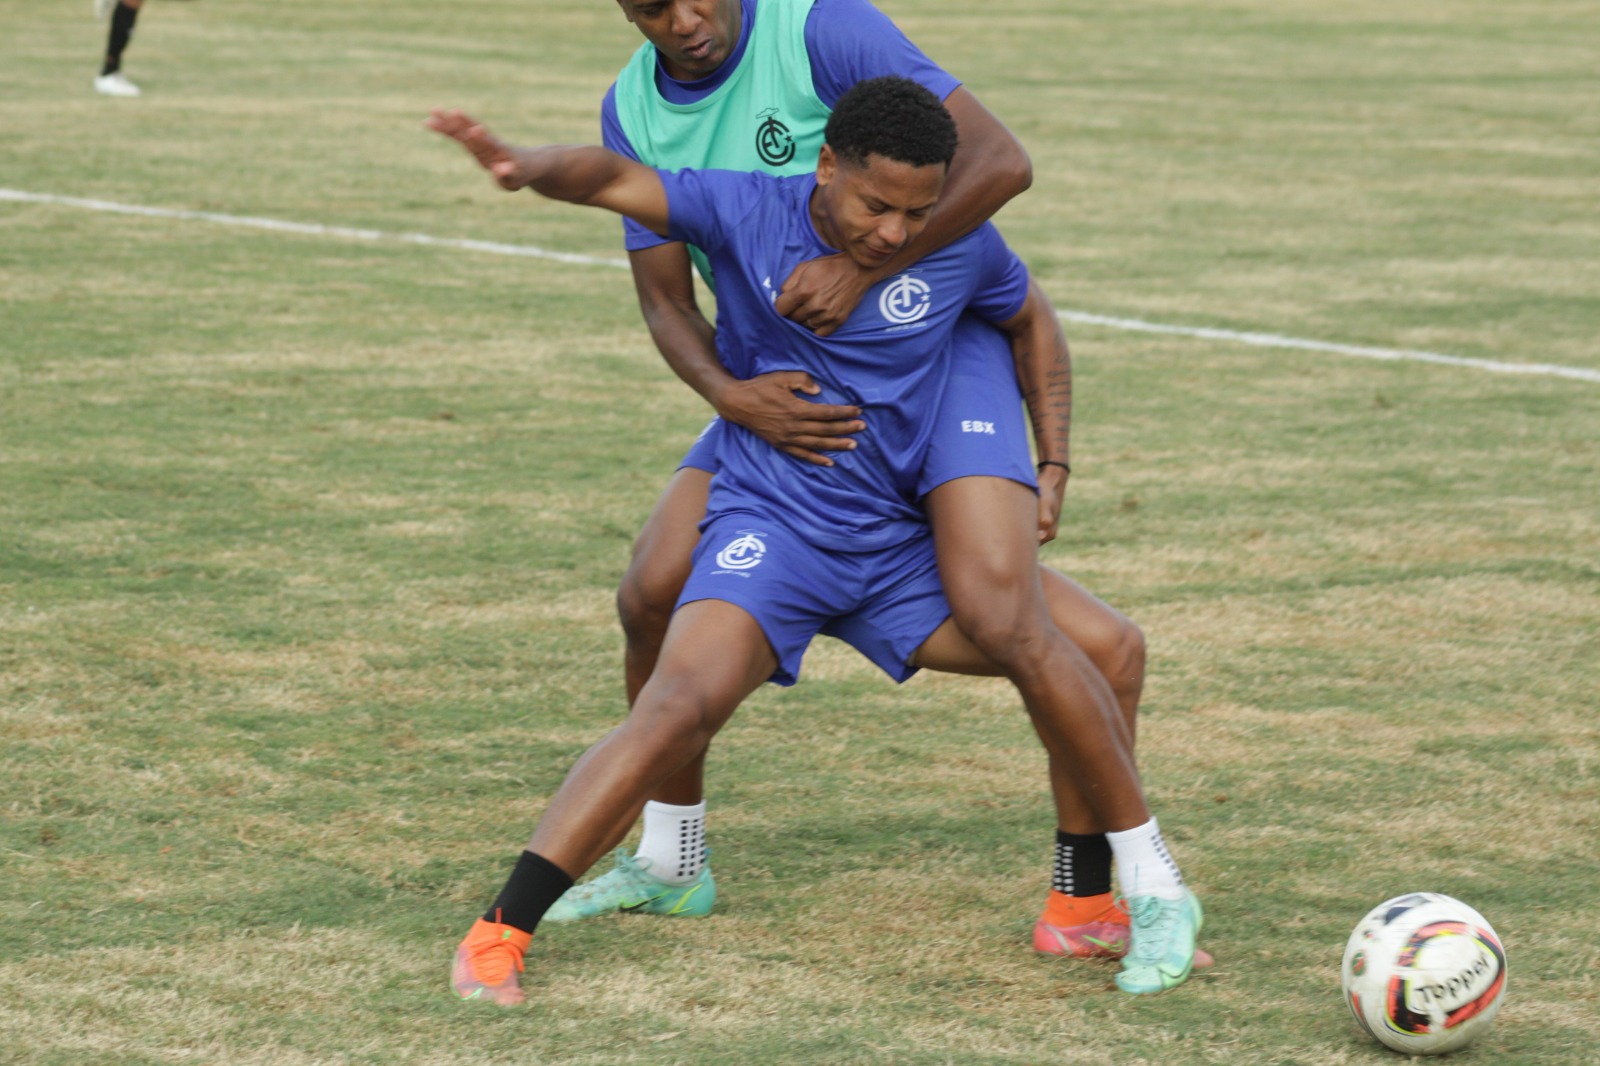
(792, 549)
(747, 85)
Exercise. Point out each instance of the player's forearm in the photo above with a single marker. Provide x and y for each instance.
(574, 173)
(688, 344)
(1044, 372)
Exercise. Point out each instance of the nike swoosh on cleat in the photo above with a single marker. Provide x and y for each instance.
(684, 901)
(641, 903)
(1109, 945)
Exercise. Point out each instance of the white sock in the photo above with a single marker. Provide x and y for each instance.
(1143, 863)
(674, 841)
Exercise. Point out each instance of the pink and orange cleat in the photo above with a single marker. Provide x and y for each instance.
(488, 961)
(1093, 927)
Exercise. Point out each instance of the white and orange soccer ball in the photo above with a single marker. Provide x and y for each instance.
(1424, 973)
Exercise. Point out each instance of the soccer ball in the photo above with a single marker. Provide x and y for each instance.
(1424, 973)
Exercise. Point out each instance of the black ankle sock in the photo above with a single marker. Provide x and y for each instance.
(122, 20)
(535, 884)
(1083, 864)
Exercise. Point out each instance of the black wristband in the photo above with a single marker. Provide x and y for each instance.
(1051, 462)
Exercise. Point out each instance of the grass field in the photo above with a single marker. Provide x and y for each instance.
(308, 544)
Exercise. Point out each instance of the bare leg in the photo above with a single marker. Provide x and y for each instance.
(657, 572)
(645, 601)
(984, 533)
(1113, 643)
(713, 657)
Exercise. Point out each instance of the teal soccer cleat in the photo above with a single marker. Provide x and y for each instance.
(630, 888)
(1163, 948)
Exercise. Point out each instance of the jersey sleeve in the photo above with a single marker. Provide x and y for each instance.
(634, 236)
(850, 40)
(705, 207)
(1002, 278)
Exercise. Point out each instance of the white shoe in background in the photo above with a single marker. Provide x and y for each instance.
(115, 85)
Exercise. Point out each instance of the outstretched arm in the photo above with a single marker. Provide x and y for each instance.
(1044, 370)
(990, 168)
(583, 174)
(578, 174)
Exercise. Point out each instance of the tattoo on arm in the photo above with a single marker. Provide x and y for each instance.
(1049, 403)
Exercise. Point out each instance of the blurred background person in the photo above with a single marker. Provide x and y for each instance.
(124, 13)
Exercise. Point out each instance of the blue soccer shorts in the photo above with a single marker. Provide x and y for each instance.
(981, 428)
(885, 604)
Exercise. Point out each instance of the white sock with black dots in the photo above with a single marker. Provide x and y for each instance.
(1144, 864)
(674, 841)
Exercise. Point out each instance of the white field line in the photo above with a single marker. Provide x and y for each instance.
(310, 229)
(1273, 340)
(1260, 340)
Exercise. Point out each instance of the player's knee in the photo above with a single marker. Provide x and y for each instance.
(1009, 635)
(645, 601)
(992, 607)
(1125, 667)
(1116, 647)
(1118, 655)
(678, 716)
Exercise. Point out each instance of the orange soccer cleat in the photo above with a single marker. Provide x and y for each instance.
(1086, 927)
(488, 961)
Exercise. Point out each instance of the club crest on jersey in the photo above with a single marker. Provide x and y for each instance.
(774, 142)
(743, 552)
(905, 300)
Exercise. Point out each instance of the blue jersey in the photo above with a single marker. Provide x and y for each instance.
(891, 357)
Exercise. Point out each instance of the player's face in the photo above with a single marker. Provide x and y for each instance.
(694, 37)
(870, 212)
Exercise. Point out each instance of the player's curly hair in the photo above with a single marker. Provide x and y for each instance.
(893, 117)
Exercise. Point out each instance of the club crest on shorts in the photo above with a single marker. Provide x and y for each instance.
(743, 552)
(905, 299)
